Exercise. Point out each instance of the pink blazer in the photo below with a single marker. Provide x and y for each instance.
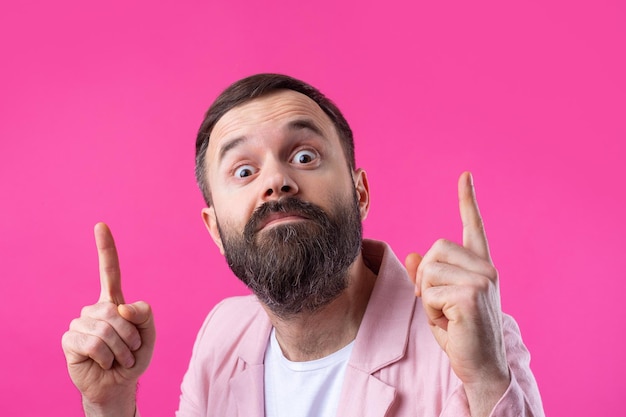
(396, 368)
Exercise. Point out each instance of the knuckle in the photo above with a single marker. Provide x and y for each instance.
(469, 301)
(94, 347)
(86, 311)
(109, 311)
(428, 295)
(104, 330)
(110, 269)
(427, 268)
(482, 286)
(493, 273)
(75, 324)
(477, 293)
(105, 311)
(430, 270)
(67, 340)
(441, 243)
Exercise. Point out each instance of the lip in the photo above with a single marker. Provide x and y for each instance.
(277, 218)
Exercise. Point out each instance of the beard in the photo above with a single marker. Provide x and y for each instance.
(298, 266)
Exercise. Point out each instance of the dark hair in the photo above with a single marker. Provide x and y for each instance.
(253, 87)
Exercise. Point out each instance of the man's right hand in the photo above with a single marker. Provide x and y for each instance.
(110, 345)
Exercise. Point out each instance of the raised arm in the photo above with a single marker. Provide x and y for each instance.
(110, 345)
(459, 288)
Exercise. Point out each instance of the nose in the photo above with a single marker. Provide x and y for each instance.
(278, 183)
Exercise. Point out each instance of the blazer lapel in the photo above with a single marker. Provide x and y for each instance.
(247, 387)
(382, 338)
(365, 395)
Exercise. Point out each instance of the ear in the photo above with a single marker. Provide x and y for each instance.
(362, 189)
(210, 221)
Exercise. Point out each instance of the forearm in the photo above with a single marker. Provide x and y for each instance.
(520, 397)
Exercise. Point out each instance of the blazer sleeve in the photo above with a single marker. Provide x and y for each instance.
(521, 397)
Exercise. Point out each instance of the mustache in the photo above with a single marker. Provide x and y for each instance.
(290, 205)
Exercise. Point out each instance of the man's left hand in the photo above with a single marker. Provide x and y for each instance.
(460, 293)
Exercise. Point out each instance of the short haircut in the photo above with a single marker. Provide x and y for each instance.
(256, 86)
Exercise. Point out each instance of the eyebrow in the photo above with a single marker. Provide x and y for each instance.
(297, 125)
(304, 124)
(230, 145)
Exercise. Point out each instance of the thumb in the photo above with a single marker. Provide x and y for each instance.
(138, 313)
(412, 262)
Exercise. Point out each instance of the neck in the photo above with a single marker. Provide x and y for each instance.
(313, 335)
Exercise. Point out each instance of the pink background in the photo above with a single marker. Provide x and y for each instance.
(100, 102)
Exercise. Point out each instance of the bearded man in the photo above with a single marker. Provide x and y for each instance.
(337, 326)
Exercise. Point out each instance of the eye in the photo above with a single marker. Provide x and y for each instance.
(244, 171)
(304, 157)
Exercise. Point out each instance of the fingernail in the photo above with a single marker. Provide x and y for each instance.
(129, 307)
(130, 362)
(135, 346)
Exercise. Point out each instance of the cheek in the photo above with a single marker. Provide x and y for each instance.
(327, 188)
(228, 218)
(232, 214)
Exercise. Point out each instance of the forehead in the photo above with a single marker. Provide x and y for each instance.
(272, 111)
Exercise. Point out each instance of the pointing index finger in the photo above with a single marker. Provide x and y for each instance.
(474, 237)
(109, 266)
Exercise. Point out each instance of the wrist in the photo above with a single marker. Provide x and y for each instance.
(483, 395)
(116, 405)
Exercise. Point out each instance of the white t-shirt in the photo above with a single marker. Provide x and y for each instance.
(303, 389)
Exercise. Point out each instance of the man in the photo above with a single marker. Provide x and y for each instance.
(337, 325)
